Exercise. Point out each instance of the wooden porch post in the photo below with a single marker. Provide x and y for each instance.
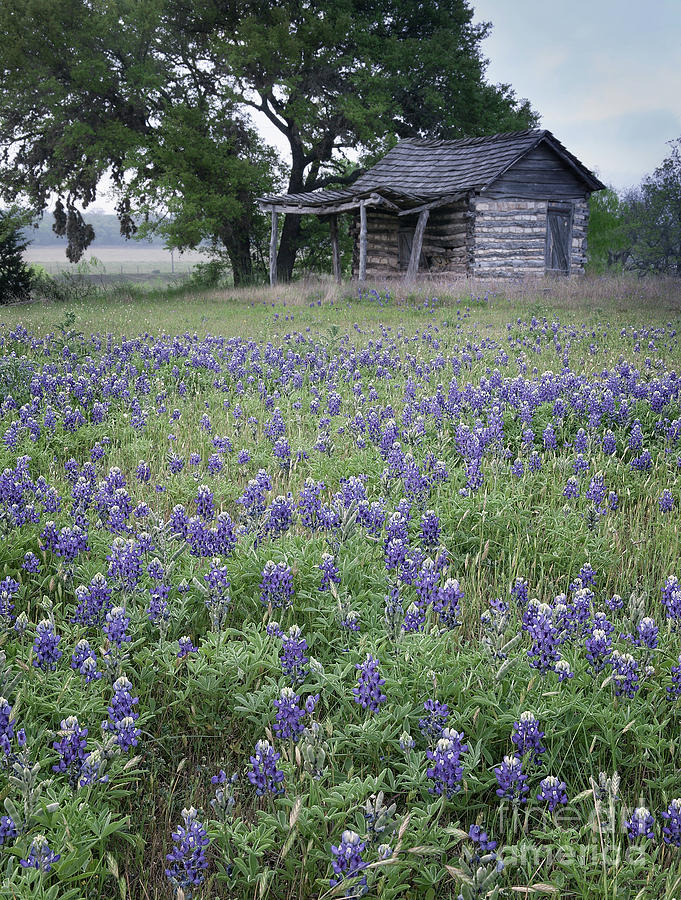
(362, 241)
(333, 224)
(273, 248)
(413, 267)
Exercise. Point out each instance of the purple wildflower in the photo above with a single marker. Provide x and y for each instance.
(368, 693)
(446, 770)
(187, 859)
(552, 791)
(264, 775)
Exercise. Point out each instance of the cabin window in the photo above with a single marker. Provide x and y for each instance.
(558, 238)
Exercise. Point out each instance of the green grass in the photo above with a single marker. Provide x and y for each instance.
(207, 712)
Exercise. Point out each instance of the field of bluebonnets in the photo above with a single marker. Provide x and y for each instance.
(340, 597)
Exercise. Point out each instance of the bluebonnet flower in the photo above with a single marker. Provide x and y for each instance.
(407, 742)
(518, 468)
(643, 463)
(613, 500)
(143, 472)
(188, 862)
(157, 611)
(91, 769)
(571, 490)
(294, 662)
(84, 660)
(46, 652)
(394, 612)
(511, 780)
(674, 690)
(282, 453)
(217, 599)
(330, 573)
(671, 831)
(552, 791)
(279, 516)
(276, 587)
(224, 800)
(520, 592)
(8, 830)
(290, 714)
(665, 501)
(347, 863)
(446, 771)
(527, 737)
(625, 674)
(671, 599)
(6, 724)
(309, 504)
(563, 670)
(185, 647)
(414, 618)
(122, 715)
(264, 775)
(609, 444)
(430, 528)
(40, 856)
(647, 634)
(349, 619)
(8, 591)
(598, 646)
(640, 824)
(31, 563)
(71, 749)
(115, 626)
(368, 693)
(433, 724)
(205, 505)
(481, 839)
(447, 603)
(614, 603)
(534, 462)
(541, 626)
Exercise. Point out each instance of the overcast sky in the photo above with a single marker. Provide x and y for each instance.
(605, 75)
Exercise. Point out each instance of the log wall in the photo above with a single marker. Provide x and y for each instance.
(509, 237)
(488, 237)
(446, 241)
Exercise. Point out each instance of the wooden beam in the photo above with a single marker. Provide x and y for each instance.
(335, 248)
(434, 204)
(413, 266)
(273, 248)
(327, 209)
(362, 241)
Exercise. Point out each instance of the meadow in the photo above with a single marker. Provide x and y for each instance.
(307, 594)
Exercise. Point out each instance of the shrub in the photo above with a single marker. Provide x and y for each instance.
(15, 275)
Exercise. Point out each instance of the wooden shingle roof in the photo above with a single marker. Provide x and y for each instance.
(416, 171)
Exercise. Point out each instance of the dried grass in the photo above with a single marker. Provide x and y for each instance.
(620, 292)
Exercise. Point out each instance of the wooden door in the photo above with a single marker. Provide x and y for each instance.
(405, 242)
(558, 239)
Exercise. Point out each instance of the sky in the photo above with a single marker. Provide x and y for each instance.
(604, 75)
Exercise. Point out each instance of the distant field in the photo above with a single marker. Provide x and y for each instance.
(117, 261)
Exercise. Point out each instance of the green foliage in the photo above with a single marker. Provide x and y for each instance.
(15, 274)
(148, 101)
(607, 238)
(653, 218)
(157, 95)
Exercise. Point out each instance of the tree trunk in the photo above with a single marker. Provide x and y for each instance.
(288, 247)
(290, 233)
(238, 246)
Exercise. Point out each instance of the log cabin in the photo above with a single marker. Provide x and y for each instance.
(513, 204)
